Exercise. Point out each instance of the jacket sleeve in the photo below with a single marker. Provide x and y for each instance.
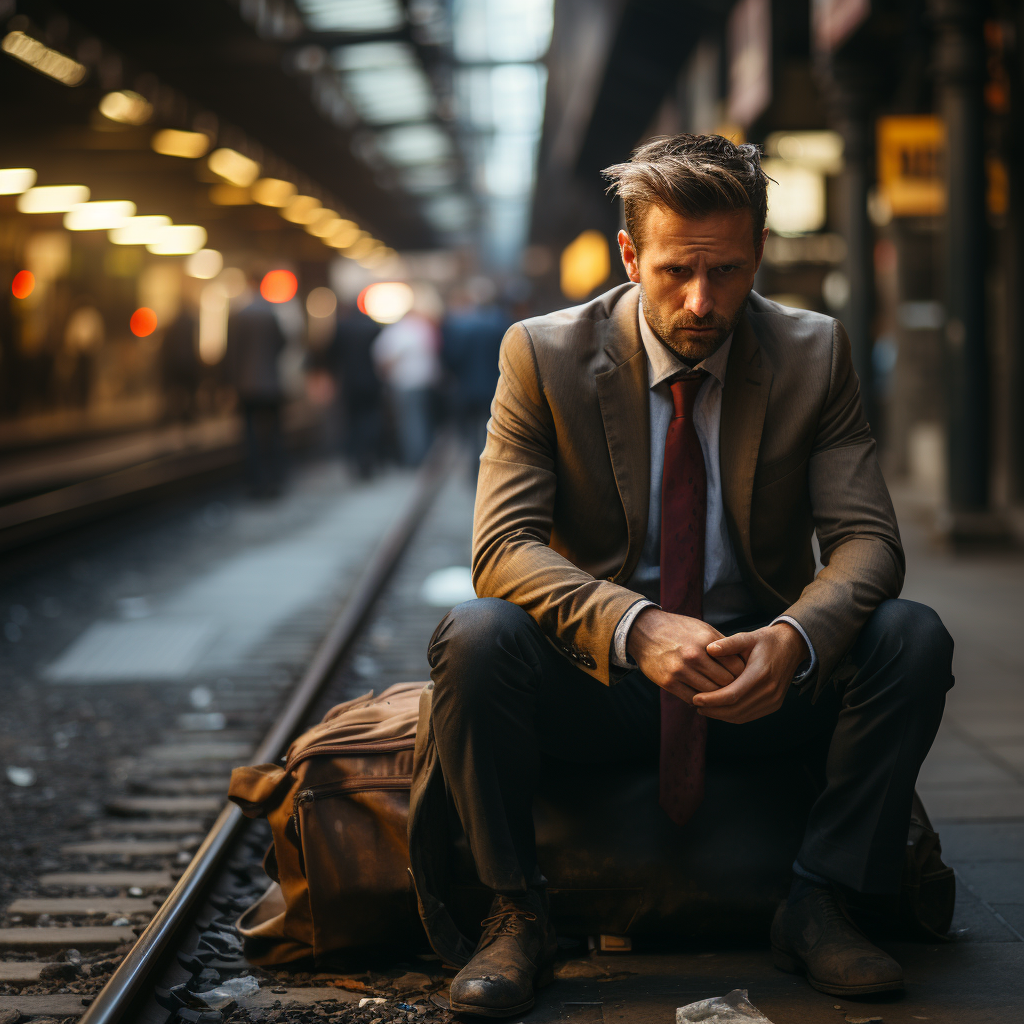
(861, 553)
(512, 521)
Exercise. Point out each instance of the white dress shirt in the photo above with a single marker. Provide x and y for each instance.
(726, 595)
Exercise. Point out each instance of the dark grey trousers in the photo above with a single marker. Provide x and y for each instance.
(503, 697)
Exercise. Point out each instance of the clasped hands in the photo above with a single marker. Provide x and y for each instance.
(736, 679)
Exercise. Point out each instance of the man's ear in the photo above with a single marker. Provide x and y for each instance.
(759, 251)
(629, 257)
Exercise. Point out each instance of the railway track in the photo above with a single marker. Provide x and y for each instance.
(141, 916)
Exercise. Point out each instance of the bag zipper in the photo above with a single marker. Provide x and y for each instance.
(353, 749)
(362, 784)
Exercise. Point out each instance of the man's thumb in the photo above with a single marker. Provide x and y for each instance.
(728, 645)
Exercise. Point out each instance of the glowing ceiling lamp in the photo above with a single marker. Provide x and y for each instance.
(14, 180)
(273, 192)
(101, 216)
(189, 145)
(343, 234)
(323, 225)
(234, 167)
(301, 210)
(139, 230)
(126, 107)
(178, 240)
(52, 198)
(50, 62)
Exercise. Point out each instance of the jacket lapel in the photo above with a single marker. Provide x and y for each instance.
(622, 394)
(748, 382)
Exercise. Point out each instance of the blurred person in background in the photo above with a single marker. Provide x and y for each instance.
(406, 355)
(470, 339)
(181, 373)
(348, 360)
(251, 366)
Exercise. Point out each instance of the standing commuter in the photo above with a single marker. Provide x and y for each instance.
(407, 359)
(251, 364)
(471, 337)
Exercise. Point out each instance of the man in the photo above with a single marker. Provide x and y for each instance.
(254, 346)
(656, 463)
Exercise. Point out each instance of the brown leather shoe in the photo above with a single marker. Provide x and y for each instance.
(814, 937)
(514, 956)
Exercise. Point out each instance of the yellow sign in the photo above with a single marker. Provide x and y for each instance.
(910, 154)
(584, 264)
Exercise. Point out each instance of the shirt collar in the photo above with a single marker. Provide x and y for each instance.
(663, 363)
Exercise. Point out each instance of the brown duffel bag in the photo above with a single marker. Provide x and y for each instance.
(339, 811)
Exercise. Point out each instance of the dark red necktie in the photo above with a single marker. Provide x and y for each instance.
(684, 501)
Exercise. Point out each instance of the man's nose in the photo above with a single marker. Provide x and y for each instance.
(698, 297)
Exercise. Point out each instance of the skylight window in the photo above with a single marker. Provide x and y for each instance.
(385, 82)
(352, 15)
(415, 144)
(502, 30)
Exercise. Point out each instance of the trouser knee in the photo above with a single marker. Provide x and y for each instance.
(473, 643)
(907, 645)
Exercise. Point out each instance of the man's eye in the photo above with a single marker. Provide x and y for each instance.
(727, 269)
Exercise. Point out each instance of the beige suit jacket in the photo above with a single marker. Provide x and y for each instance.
(561, 506)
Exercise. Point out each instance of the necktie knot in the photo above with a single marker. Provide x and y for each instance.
(684, 393)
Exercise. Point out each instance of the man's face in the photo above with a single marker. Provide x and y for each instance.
(695, 275)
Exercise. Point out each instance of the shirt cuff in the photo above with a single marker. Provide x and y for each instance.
(805, 668)
(620, 656)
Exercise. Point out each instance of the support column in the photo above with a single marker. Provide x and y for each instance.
(959, 69)
(850, 94)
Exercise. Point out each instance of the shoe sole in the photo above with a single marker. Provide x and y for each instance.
(546, 977)
(791, 965)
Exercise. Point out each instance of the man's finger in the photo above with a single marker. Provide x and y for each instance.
(734, 691)
(738, 643)
(680, 690)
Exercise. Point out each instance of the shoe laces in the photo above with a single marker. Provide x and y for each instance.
(505, 920)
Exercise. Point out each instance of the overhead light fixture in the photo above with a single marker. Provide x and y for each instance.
(272, 192)
(50, 62)
(488, 31)
(139, 230)
(172, 142)
(301, 210)
(343, 234)
(323, 224)
(178, 240)
(205, 264)
(126, 107)
(584, 264)
(352, 15)
(229, 195)
(101, 216)
(14, 180)
(361, 247)
(52, 198)
(234, 167)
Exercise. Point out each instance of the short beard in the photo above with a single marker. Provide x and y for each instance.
(670, 330)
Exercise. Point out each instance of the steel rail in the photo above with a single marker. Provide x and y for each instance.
(129, 979)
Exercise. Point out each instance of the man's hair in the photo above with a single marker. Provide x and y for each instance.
(693, 175)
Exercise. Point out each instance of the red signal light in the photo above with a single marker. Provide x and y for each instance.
(143, 322)
(279, 286)
(23, 284)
